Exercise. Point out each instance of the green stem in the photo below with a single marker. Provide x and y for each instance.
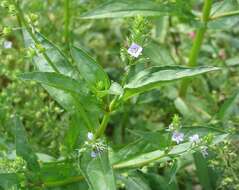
(106, 117)
(194, 53)
(67, 21)
(103, 125)
(226, 14)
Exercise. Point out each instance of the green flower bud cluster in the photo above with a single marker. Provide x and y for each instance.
(11, 8)
(33, 20)
(226, 161)
(6, 31)
(139, 30)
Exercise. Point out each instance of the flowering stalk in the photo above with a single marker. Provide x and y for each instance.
(22, 20)
(194, 53)
(106, 117)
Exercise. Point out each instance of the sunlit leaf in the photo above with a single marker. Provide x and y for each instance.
(98, 172)
(56, 80)
(153, 77)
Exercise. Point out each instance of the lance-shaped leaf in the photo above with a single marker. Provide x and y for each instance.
(128, 8)
(98, 172)
(23, 149)
(60, 62)
(135, 181)
(76, 133)
(92, 72)
(8, 180)
(55, 55)
(56, 80)
(64, 67)
(162, 156)
(77, 89)
(153, 77)
(227, 107)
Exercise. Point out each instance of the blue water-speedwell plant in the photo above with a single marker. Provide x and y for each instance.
(83, 88)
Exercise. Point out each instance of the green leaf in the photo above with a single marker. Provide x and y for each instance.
(76, 134)
(161, 155)
(158, 182)
(153, 138)
(88, 105)
(116, 89)
(174, 170)
(130, 151)
(23, 149)
(227, 107)
(129, 8)
(202, 171)
(98, 172)
(7, 181)
(153, 77)
(158, 54)
(91, 71)
(56, 80)
(135, 181)
(141, 159)
(59, 61)
(56, 173)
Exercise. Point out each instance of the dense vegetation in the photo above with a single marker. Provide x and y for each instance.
(119, 94)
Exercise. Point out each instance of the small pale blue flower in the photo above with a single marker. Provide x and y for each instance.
(135, 50)
(90, 136)
(194, 138)
(204, 151)
(93, 154)
(7, 44)
(177, 137)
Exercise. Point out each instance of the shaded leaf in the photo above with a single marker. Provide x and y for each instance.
(76, 133)
(202, 171)
(129, 8)
(227, 107)
(7, 181)
(59, 61)
(23, 149)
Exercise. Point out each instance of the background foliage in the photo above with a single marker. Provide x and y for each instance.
(140, 149)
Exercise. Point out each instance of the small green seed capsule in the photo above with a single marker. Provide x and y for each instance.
(40, 48)
(6, 31)
(4, 4)
(100, 85)
(33, 17)
(30, 53)
(12, 9)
